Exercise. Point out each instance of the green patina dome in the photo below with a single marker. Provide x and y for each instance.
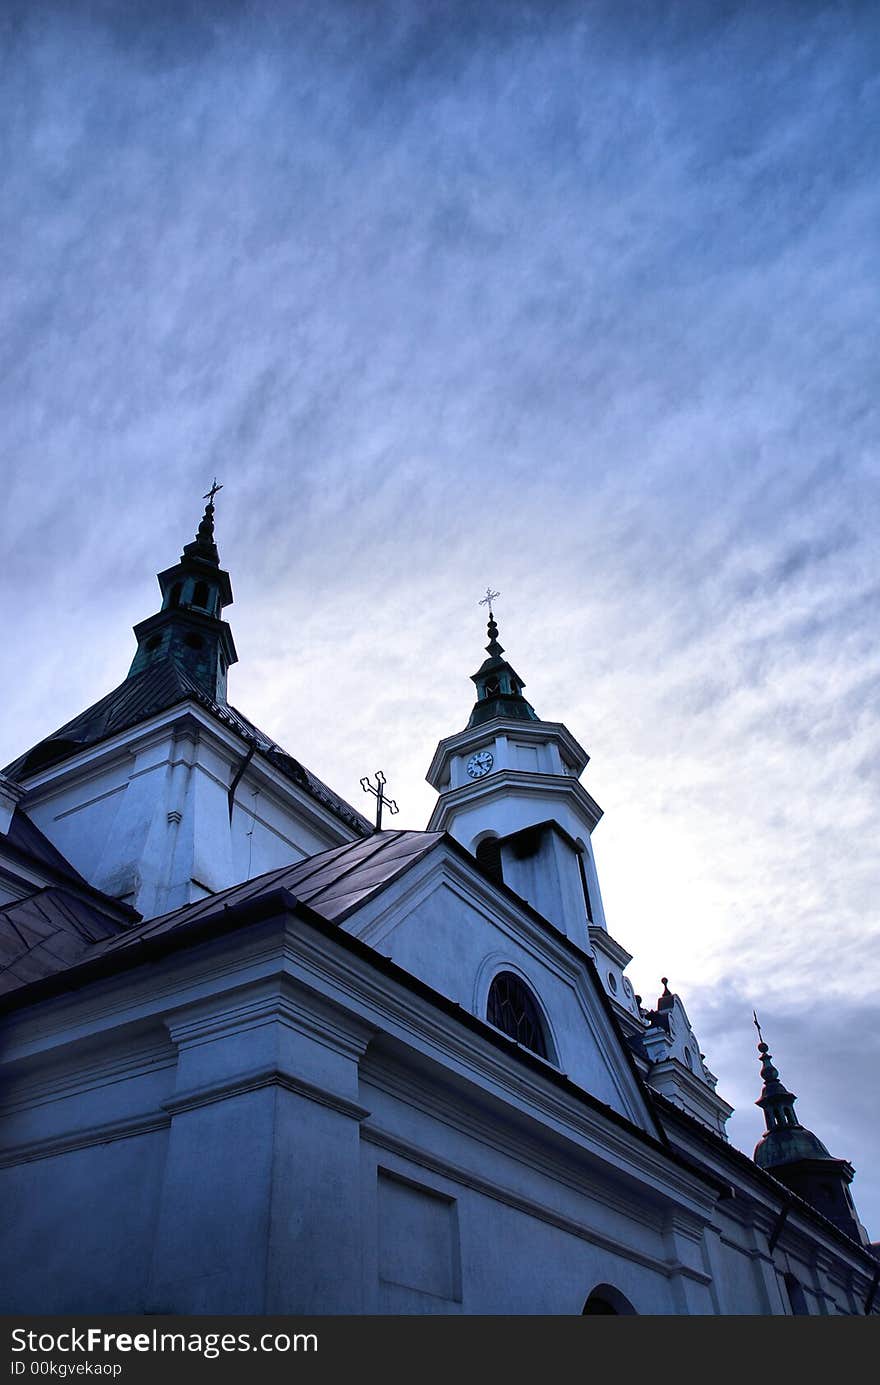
(787, 1146)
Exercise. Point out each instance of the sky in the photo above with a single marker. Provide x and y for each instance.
(576, 300)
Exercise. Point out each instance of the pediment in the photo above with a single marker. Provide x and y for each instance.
(450, 927)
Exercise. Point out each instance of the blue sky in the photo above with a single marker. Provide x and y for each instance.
(576, 300)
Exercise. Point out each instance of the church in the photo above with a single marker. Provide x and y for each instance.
(260, 1056)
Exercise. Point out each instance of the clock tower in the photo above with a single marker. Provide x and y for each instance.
(510, 792)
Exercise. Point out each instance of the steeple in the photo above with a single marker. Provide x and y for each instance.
(188, 629)
(777, 1103)
(509, 790)
(797, 1157)
(499, 687)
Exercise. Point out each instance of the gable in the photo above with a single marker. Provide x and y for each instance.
(446, 924)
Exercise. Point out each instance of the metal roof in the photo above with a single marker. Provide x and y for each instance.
(157, 689)
(52, 931)
(46, 933)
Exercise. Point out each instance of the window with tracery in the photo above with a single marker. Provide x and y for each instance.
(513, 1010)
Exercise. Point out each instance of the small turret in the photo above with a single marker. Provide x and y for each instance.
(188, 629)
(499, 687)
(510, 792)
(797, 1157)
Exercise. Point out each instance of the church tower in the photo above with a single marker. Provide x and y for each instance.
(510, 792)
(162, 793)
(188, 630)
(798, 1158)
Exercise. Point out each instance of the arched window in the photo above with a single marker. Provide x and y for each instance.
(488, 854)
(513, 1009)
(605, 1301)
(200, 594)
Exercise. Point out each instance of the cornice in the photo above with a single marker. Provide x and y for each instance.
(461, 741)
(601, 938)
(412, 1153)
(475, 1052)
(257, 1079)
(525, 784)
(186, 719)
(101, 1134)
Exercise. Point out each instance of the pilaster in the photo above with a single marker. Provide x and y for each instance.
(259, 1207)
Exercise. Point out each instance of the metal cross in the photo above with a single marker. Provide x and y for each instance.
(379, 795)
(757, 1026)
(209, 495)
(488, 599)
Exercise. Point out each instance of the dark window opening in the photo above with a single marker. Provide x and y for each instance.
(488, 854)
(493, 687)
(153, 643)
(174, 595)
(200, 594)
(585, 884)
(527, 842)
(513, 1010)
(194, 641)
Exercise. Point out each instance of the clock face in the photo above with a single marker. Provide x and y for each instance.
(480, 764)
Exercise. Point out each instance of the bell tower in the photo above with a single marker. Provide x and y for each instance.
(510, 792)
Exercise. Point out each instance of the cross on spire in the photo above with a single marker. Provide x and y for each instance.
(379, 794)
(215, 487)
(757, 1026)
(488, 599)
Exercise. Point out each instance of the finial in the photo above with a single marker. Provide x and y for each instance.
(205, 534)
(493, 647)
(203, 546)
(488, 599)
(762, 1047)
(667, 999)
(769, 1072)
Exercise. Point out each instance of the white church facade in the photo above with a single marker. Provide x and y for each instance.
(258, 1057)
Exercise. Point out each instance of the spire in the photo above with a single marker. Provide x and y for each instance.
(499, 687)
(204, 546)
(775, 1100)
(188, 631)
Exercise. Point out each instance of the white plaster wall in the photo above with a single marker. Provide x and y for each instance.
(149, 822)
(551, 881)
(278, 1088)
(457, 947)
(78, 1228)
